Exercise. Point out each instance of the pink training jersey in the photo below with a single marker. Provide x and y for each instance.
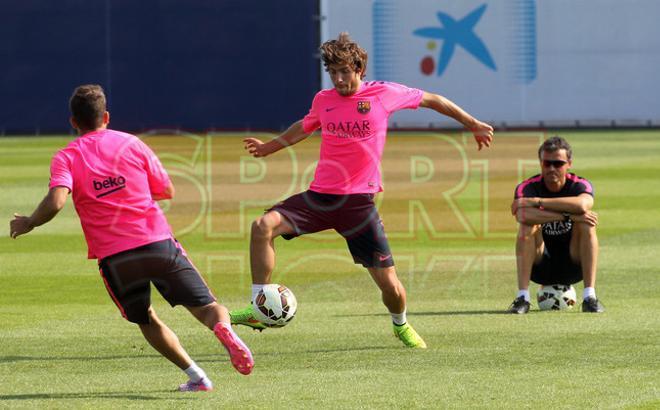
(112, 176)
(353, 131)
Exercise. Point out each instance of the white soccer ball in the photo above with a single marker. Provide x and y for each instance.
(556, 297)
(275, 305)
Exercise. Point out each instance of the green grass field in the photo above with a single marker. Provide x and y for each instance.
(63, 344)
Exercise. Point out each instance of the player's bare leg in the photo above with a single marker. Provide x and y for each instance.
(262, 261)
(165, 341)
(262, 247)
(210, 314)
(584, 250)
(394, 297)
(392, 290)
(529, 249)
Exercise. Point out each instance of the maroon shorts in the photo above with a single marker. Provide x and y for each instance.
(128, 277)
(353, 216)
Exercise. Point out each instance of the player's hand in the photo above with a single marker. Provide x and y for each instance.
(255, 147)
(20, 225)
(523, 203)
(590, 218)
(483, 134)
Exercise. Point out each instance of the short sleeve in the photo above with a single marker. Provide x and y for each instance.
(581, 186)
(311, 121)
(527, 189)
(158, 178)
(60, 172)
(396, 97)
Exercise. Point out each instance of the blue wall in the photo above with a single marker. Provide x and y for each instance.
(194, 65)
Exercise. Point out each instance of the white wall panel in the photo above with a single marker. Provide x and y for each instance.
(557, 62)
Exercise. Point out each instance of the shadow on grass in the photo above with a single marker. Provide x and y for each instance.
(221, 358)
(450, 313)
(7, 359)
(89, 395)
(462, 312)
(353, 349)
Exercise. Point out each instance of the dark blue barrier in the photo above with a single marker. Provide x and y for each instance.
(194, 65)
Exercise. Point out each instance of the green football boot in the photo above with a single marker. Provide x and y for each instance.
(245, 317)
(408, 336)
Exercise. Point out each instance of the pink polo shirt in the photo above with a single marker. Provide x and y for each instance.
(112, 176)
(353, 131)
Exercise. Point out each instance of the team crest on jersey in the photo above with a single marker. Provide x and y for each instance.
(364, 107)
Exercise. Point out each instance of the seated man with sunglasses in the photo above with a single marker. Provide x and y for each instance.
(556, 241)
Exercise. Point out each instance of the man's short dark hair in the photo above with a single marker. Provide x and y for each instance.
(556, 143)
(87, 105)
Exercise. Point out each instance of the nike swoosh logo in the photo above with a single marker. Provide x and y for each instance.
(329, 109)
(384, 258)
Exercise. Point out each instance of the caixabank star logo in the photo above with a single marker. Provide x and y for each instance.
(453, 40)
(454, 33)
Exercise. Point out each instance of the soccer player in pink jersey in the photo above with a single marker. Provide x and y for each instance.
(115, 181)
(557, 242)
(353, 119)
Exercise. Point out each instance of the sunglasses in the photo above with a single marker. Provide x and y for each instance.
(556, 163)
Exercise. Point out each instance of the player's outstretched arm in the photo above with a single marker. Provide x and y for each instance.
(52, 203)
(483, 133)
(293, 135)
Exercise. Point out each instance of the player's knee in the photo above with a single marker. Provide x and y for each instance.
(583, 232)
(151, 319)
(151, 313)
(527, 232)
(261, 228)
(585, 229)
(391, 293)
(215, 308)
(393, 288)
